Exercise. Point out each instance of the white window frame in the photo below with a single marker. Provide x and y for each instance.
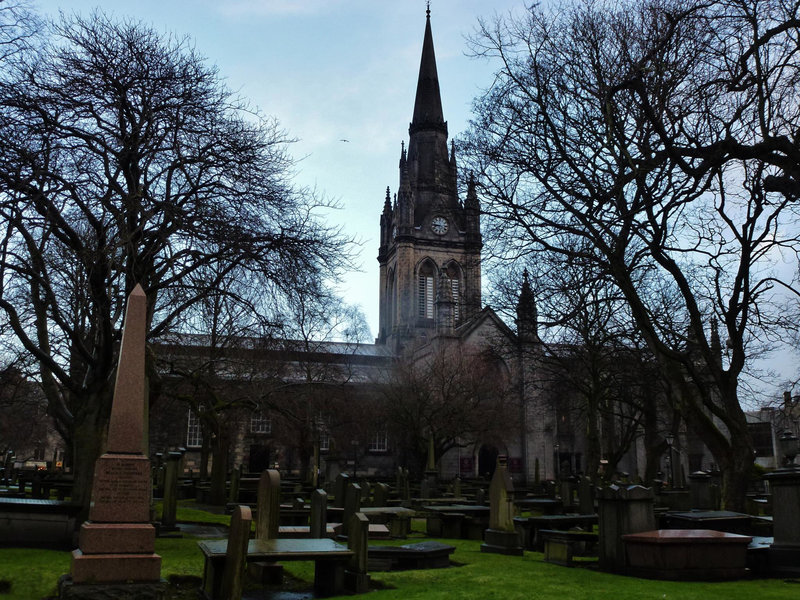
(379, 442)
(260, 423)
(194, 433)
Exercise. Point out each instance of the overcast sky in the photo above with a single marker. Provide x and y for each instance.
(332, 70)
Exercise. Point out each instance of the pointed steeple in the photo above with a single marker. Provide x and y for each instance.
(527, 315)
(387, 203)
(428, 113)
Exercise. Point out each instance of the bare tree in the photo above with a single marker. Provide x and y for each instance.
(455, 395)
(662, 135)
(126, 160)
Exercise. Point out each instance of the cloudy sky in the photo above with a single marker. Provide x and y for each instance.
(332, 70)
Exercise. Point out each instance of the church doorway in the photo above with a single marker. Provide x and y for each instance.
(259, 458)
(487, 461)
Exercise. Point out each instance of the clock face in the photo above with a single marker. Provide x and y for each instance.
(439, 225)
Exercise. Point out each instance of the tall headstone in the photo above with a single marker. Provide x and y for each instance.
(236, 477)
(117, 543)
(340, 489)
(381, 495)
(318, 522)
(356, 577)
(586, 496)
(169, 504)
(236, 554)
(784, 553)
(622, 510)
(352, 504)
(268, 505)
(501, 537)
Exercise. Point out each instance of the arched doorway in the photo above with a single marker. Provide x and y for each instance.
(487, 461)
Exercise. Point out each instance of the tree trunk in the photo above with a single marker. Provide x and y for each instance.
(88, 443)
(219, 472)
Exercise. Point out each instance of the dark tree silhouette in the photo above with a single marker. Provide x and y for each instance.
(656, 142)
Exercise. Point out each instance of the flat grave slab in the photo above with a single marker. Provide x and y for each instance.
(687, 554)
(424, 555)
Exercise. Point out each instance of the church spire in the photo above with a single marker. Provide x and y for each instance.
(527, 315)
(428, 112)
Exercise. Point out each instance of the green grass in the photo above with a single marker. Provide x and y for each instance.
(33, 574)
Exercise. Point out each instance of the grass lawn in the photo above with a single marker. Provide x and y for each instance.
(33, 574)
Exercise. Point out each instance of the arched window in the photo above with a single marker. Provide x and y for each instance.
(453, 274)
(391, 301)
(426, 290)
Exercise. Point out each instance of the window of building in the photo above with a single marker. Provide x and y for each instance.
(453, 275)
(425, 292)
(324, 441)
(762, 438)
(260, 423)
(379, 442)
(194, 435)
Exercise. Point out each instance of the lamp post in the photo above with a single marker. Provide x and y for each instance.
(354, 443)
(787, 445)
(670, 472)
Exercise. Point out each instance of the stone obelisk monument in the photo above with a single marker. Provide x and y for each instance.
(116, 546)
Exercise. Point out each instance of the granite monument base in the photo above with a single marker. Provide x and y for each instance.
(69, 590)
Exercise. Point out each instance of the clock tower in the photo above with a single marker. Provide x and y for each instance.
(429, 255)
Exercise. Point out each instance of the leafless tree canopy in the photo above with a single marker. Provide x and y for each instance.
(656, 144)
(127, 160)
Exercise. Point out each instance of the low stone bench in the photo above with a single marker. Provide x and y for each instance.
(330, 560)
(38, 523)
(561, 546)
(681, 554)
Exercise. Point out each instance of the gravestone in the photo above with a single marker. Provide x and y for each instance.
(622, 510)
(784, 553)
(480, 497)
(352, 504)
(381, 495)
(340, 489)
(366, 491)
(268, 505)
(319, 514)
(501, 537)
(236, 554)
(116, 545)
(701, 491)
(169, 503)
(403, 486)
(457, 487)
(585, 496)
(233, 492)
(356, 576)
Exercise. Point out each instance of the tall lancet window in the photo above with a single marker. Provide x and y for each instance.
(453, 274)
(425, 291)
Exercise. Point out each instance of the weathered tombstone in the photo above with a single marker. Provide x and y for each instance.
(405, 488)
(340, 489)
(356, 576)
(622, 510)
(586, 496)
(352, 504)
(236, 554)
(236, 477)
(268, 505)
(169, 502)
(501, 537)
(457, 487)
(784, 553)
(366, 491)
(700, 484)
(480, 497)
(381, 495)
(116, 546)
(319, 514)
